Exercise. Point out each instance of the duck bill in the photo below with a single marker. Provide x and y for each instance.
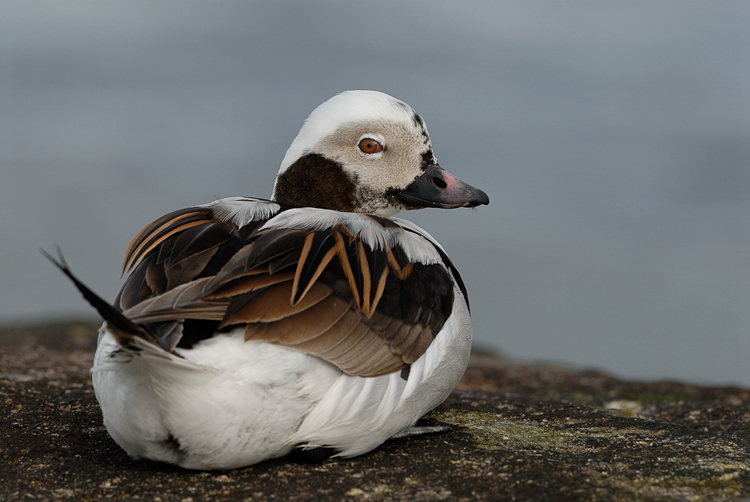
(436, 187)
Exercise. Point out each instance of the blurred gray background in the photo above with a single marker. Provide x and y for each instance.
(612, 137)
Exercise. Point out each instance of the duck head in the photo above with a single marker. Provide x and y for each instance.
(367, 152)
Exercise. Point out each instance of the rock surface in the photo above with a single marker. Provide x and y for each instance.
(520, 432)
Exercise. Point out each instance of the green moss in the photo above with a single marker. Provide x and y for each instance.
(492, 432)
(618, 461)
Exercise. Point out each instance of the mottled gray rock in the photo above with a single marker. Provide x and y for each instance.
(520, 432)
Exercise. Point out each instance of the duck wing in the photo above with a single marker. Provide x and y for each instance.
(365, 293)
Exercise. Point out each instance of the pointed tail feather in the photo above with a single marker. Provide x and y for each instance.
(122, 328)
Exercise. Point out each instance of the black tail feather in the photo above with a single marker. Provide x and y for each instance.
(120, 326)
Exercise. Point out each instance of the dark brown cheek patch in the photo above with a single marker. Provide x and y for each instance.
(315, 181)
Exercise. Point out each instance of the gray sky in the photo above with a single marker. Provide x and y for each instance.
(613, 139)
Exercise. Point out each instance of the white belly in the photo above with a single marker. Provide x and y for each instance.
(231, 403)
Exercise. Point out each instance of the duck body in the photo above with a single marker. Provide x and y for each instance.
(248, 328)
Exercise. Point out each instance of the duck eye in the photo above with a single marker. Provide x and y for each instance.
(369, 146)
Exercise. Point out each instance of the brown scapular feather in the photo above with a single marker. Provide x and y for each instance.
(160, 229)
(306, 324)
(417, 345)
(348, 338)
(347, 266)
(311, 265)
(247, 283)
(185, 270)
(197, 240)
(272, 244)
(271, 304)
(372, 358)
(183, 302)
(155, 278)
(344, 341)
(136, 288)
(334, 340)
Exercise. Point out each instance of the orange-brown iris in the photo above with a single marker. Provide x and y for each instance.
(369, 145)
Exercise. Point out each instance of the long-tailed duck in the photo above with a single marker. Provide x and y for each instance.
(250, 327)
